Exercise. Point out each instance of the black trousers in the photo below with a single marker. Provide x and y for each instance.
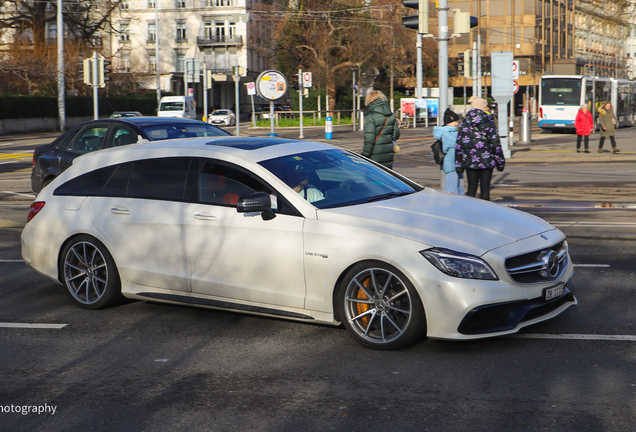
(600, 143)
(481, 178)
(586, 141)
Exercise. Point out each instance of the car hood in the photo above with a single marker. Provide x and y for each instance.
(441, 219)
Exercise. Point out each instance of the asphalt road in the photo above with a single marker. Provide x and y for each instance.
(150, 367)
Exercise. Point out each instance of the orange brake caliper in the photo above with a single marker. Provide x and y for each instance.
(363, 307)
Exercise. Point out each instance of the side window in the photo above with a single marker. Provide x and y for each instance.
(67, 141)
(118, 182)
(120, 135)
(163, 179)
(90, 184)
(90, 138)
(224, 184)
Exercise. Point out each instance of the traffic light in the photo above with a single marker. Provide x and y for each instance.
(86, 69)
(464, 64)
(463, 22)
(418, 22)
(295, 85)
(103, 70)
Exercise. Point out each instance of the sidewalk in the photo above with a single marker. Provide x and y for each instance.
(544, 147)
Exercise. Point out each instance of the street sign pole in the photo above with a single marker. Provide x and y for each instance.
(300, 101)
(95, 84)
(502, 92)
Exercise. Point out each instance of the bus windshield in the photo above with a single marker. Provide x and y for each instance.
(561, 91)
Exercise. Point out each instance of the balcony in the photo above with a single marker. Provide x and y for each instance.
(203, 41)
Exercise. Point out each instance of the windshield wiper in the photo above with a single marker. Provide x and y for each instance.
(387, 195)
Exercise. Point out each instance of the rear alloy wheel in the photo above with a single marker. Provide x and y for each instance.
(381, 308)
(90, 274)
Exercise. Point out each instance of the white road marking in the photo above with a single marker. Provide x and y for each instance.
(20, 194)
(10, 260)
(592, 265)
(593, 337)
(32, 326)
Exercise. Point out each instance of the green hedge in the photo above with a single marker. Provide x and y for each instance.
(18, 107)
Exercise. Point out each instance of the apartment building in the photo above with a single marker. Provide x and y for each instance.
(171, 41)
(546, 36)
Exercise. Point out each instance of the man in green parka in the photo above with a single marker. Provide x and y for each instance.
(380, 129)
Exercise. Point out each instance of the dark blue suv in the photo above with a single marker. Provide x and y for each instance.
(51, 159)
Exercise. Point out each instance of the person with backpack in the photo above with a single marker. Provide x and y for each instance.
(447, 134)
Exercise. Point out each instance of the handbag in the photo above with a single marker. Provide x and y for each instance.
(396, 147)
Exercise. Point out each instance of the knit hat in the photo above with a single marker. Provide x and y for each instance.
(478, 103)
(450, 116)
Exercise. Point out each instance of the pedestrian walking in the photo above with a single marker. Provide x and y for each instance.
(380, 129)
(448, 135)
(584, 123)
(606, 120)
(478, 149)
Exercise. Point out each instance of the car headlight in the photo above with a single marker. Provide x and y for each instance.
(459, 264)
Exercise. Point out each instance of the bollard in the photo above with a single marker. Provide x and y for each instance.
(525, 131)
(328, 128)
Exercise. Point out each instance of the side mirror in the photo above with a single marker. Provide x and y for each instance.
(258, 202)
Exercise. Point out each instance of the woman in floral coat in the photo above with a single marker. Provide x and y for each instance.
(478, 149)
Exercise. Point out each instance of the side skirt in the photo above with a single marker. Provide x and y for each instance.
(224, 305)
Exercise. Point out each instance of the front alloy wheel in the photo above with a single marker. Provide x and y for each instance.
(89, 273)
(380, 307)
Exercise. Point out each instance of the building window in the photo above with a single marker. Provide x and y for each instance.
(224, 2)
(180, 62)
(207, 30)
(51, 31)
(125, 61)
(124, 32)
(232, 29)
(209, 3)
(152, 33)
(181, 4)
(152, 60)
(152, 4)
(219, 30)
(125, 4)
(181, 32)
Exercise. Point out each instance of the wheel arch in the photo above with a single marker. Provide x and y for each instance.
(334, 296)
(60, 252)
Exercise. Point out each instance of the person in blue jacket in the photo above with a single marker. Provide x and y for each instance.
(448, 135)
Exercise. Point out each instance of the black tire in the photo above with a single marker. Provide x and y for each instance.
(46, 182)
(380, 307)
(89, 273)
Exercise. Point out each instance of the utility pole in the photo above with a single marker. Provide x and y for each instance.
(95, 84)
(61, 109)
(442, 17)
(157, 52)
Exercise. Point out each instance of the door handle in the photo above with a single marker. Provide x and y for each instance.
(120, 211)
(204, 217)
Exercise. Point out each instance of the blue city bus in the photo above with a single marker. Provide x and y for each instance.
(561, 96)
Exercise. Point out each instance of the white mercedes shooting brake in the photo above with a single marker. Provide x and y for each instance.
(298, 230)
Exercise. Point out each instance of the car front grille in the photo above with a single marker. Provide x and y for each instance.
(539, 266)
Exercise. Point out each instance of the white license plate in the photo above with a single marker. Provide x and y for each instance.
(554, 292)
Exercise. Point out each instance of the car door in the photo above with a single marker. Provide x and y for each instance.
(240, 256)
(141, 212)
(89, 139)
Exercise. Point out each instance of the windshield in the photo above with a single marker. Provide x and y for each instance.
(561, 91)
(336, 178)
(170, 131)
(220, 112)
(171, 106)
